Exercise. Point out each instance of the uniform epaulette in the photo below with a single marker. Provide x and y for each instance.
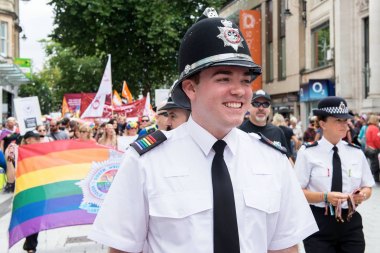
(353, 145)
(309, 145)
(274, 144)
(150, 141)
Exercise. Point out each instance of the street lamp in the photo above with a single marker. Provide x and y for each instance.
(24, 36)
(287, 11)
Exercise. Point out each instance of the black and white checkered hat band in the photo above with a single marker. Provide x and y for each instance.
(335, 110)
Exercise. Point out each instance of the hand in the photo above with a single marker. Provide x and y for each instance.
(359, 198)
(334, 197)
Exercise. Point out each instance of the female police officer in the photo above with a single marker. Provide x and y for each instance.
(333, 174)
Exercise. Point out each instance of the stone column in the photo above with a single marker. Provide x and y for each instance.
(374, 48)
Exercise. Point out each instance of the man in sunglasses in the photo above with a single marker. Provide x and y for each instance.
(258, 120)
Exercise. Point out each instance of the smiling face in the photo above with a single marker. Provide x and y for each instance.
(220, 99)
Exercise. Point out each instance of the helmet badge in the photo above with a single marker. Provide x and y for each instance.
(230, 36)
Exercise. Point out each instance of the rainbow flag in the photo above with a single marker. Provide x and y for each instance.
(59, 184)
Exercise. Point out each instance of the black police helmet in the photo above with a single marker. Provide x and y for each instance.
(212, 41)
(333, 106)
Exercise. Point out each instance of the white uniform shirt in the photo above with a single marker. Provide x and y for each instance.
(314, 168)
(164, 197)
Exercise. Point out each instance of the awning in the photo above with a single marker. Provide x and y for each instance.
(11, 74)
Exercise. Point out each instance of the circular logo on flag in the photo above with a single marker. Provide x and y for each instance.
(96, 104)
(98, 181)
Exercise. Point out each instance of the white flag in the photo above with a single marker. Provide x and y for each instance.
(148, 107)
(95, 109)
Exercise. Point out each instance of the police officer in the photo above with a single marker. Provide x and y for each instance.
(177, 114)
(335, 178)
(203, 187)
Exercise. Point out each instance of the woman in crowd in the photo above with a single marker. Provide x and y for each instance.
(109, 137)
(85, 133)
(129, 136)
(335, 178)
(41, 129)
(373, 145)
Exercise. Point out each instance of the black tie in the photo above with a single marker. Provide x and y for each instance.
(336, 185)
(226, 236)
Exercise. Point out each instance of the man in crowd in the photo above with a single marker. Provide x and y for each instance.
(198, 188)
(258, 120)
(56, 133)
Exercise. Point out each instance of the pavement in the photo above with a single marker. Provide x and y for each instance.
(74, 239)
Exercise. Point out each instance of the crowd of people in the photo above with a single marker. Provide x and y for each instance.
(228, 176)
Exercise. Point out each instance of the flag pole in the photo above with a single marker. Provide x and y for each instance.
(109, 58)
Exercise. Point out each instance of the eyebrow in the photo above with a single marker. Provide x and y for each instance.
(228, 72)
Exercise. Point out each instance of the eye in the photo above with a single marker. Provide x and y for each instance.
(223, 79)
(246, 81)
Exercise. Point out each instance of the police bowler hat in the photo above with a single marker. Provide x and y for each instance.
(170, 104)
(334, 107)
(212, 41)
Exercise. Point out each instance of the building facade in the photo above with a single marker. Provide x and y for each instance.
(11, 77)
(315, 48)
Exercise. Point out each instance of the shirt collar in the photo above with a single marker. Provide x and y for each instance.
(328, 146)
(205, 140)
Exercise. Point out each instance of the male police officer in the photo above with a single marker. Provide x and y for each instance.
(177, 114)
(204, 186)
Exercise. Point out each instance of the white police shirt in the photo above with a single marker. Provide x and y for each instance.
(314, 168)
(164, 197)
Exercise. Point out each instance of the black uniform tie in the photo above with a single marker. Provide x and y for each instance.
(336, 185)
(226, 236)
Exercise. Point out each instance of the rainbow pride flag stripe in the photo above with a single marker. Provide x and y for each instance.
(46, 194)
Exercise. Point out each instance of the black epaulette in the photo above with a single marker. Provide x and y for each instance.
(353, 145)
(309, 145)
(273, 144)
(150, 141)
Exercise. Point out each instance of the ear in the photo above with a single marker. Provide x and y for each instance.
(322, 124)
(188, 86)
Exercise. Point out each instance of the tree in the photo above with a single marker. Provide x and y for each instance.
(143, 36)
(76, 74)
(40, 88)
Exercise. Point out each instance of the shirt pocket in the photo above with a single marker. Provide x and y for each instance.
(355, 171)
(320, 170)
(267, 201)
(179, 215)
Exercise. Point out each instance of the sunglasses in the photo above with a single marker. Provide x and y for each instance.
(258, 104)
(82, 132)
(145, 120)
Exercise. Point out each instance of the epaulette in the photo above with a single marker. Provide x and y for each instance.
(353, 145)
(309, 145)
(274, 144)
(150, 141)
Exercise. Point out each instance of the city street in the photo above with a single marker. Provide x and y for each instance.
(73, 239)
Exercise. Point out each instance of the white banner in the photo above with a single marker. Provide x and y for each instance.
(28, 113)
(95, 109)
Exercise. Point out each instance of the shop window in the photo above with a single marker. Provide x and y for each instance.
(366, 57)
(4, 38)
(281, 42)
(320, 45)
(269, 41)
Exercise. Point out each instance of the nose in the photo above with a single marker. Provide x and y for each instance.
(239, 89)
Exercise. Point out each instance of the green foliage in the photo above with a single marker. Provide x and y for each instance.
(143, 37)
(75, 74)
(41, 89)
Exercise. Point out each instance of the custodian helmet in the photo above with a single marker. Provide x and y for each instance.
(212, 41)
